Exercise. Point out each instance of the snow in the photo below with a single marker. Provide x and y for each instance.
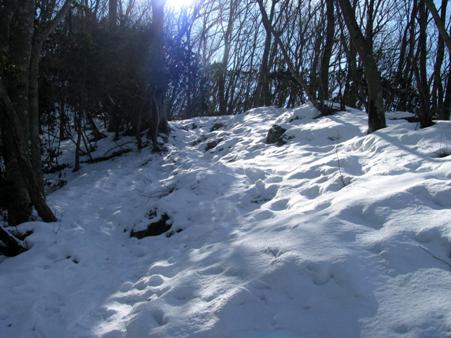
(335, 234)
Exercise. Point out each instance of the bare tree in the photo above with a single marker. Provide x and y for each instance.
(421, 68)
(158, 110)
(300, 81)
(262, 92)
(375, 105)
(327, 52)
(44, 26)
(17, 50)
(439, 21)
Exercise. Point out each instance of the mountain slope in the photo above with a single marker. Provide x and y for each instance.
(335, 233)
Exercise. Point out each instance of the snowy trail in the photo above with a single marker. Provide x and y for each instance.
(274, 245)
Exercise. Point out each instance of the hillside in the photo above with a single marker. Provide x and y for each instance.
(336, 233)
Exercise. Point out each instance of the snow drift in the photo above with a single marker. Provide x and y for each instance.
(334, 234)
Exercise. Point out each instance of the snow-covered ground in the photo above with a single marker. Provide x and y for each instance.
(334, 234)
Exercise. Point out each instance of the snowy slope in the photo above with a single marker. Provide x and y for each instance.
(335, 234)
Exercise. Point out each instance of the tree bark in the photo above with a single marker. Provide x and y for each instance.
(12, 246)
(222, 98)
(327, 53)
(41, 33)
(21, 160)
(112, 14)
(158, 112)
(375, 105)
(15, 93)
(350, 92)
(18, 202)
(407, 74)
(421, 69)
(262, 92)
(437, 86)
(439, 23)
(446, 109)
(293, 72)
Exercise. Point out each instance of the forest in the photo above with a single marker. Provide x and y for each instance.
(153, 120)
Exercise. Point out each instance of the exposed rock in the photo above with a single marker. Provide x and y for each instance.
(212, 144)
(217, 126)
(199, 140)
(157, 228)
(173, 232)
(276, 135)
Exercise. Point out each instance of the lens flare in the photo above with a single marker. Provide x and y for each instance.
(174, 4)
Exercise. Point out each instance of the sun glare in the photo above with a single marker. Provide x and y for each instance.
(174, 4)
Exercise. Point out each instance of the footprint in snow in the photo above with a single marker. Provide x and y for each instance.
(146, 320)
(212, 270)
(311, 193)
(263, 193)
(159, 317)
(280, 205)
(180, 295)
(165, 269)
(321, 272)
(263, 215)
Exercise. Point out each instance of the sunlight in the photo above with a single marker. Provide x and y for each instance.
(175, 4)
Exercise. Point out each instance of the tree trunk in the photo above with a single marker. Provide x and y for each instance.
(21, 158)
(158, 114)
(35, 141)
(12, 246)
(446, 109)
(77, 123)
(262, 92)
(375, 105)
(327, 53)
(437, 87)
(225, 61)
(406, 80)
(19, 96)
(350, 92)
(439, 23)
(314, 84)
(16, 92)
(40, 34)
(112, 14)
(286, 57)
(421, 73)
